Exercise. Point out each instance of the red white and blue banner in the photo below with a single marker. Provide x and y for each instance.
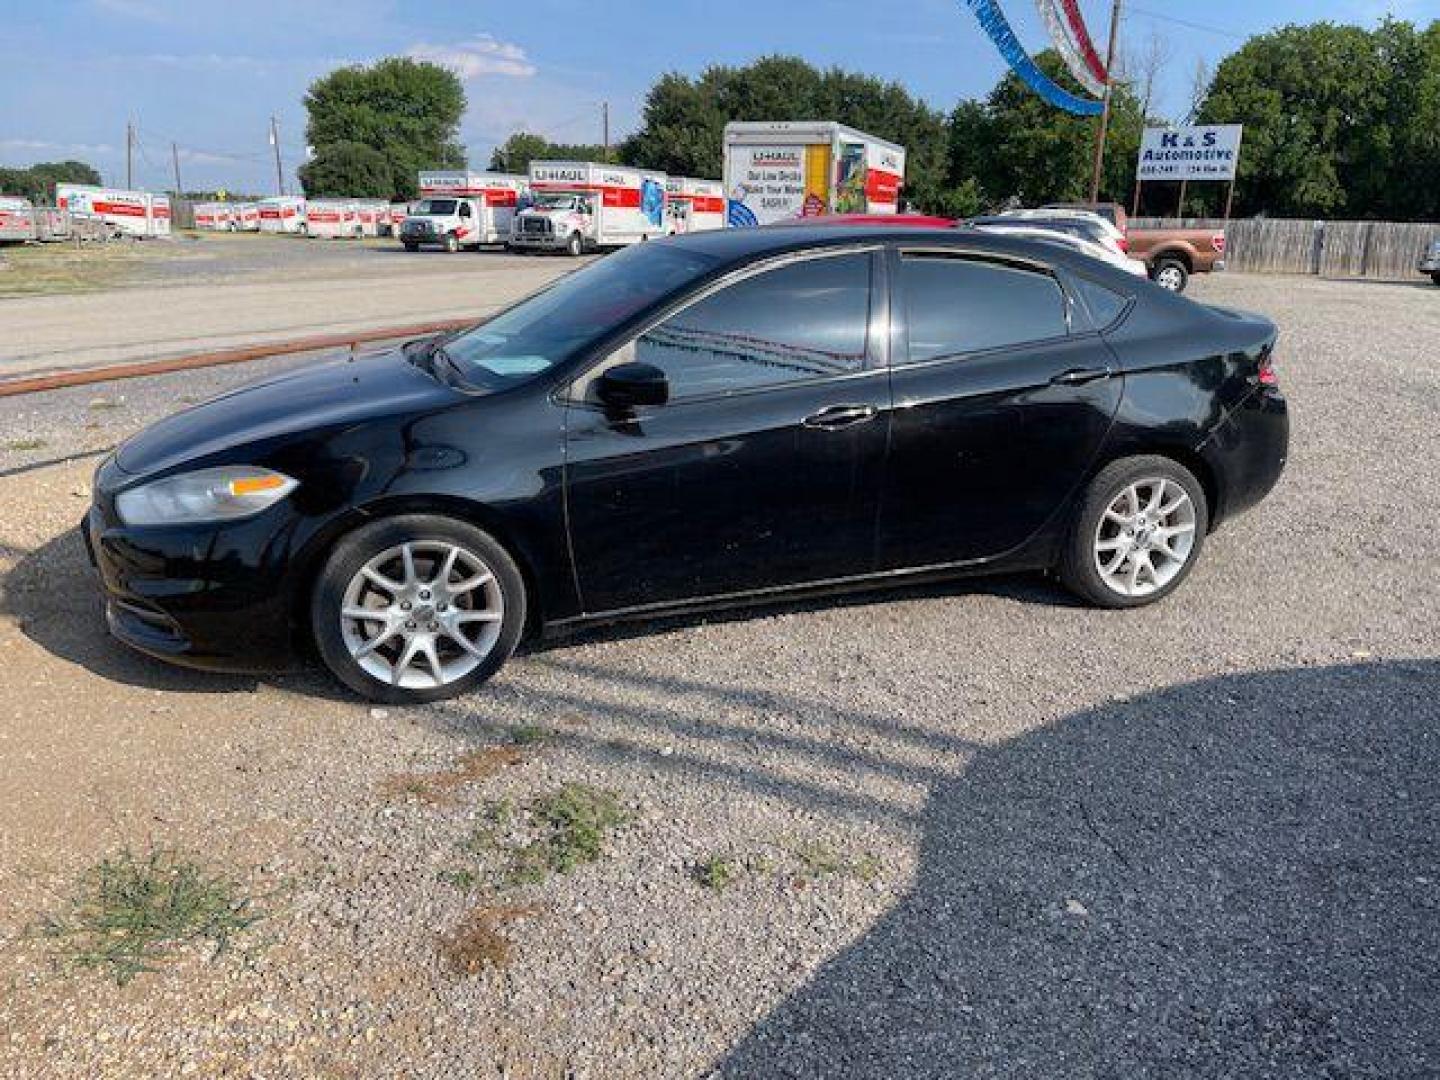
(1062, 36)
(994, 23)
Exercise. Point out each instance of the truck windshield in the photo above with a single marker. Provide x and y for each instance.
(555, 324)
(436, 207)
(557, 202)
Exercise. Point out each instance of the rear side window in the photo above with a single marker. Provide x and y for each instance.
(955, 306)
(1102, 305)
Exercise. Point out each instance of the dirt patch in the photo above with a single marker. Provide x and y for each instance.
(477, 943)
(439, 788)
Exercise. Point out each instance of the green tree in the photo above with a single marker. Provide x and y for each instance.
(37, 182)
(1339, 121)
(515, 153)
(407, 110)
(348, 169)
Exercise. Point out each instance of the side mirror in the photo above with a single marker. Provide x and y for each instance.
(626, 386)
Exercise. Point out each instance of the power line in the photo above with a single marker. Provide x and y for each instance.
(1203, 27)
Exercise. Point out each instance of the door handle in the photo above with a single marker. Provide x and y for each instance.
(836, 417)
(1081, 376)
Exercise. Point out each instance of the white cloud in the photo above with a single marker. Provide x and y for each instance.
(44, 146)
(481, 55)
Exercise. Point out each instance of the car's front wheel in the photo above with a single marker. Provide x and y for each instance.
(417, 608)
(1435, 277)
(1138, 533)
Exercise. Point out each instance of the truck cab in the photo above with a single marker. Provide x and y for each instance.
(445, 221)
(558, 220)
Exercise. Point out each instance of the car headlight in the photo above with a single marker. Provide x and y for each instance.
(226, 493)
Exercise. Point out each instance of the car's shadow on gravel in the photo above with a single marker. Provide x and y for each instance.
(1239, 877)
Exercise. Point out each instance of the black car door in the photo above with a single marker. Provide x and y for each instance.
(763, 469)
(1002, 397)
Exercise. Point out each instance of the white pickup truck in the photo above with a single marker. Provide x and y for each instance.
(459, 209)
(583, 205)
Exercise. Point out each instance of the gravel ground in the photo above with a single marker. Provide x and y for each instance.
(970, 830)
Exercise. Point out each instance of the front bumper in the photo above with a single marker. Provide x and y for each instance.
(547, 241)
(202, 596)
(1430, 265)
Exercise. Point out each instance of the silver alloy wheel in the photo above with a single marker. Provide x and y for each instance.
(1145, 537)
(1171, 278)
(422, 615)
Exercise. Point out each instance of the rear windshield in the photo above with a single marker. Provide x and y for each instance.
(578, 310)
(437, 207)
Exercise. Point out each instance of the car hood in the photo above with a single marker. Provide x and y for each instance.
(327, 395)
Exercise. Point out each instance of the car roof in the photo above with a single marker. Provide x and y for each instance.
(735, 247)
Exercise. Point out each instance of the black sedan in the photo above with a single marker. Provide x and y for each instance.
(720, 419)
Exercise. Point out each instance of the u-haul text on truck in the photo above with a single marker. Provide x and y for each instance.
(282, 214)
(775, 171)
(462, 209)
(694, 205)
(128, 212)
(583, 205)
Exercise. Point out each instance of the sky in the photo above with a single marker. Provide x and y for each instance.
(208, 77)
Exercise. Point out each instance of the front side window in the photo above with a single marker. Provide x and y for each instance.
(805, 320)
(955, 306)
(436, 207)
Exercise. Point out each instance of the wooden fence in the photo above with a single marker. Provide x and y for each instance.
(1383, 250)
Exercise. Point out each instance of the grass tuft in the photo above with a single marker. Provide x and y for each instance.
(717, 872)
(130, 911)
(574, 823)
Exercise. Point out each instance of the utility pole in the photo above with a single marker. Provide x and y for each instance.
(279, 169)
(1104, 132)
(605, 127)
(129, 154)
(175, 159)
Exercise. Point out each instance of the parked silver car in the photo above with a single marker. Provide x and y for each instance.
(1430, 264)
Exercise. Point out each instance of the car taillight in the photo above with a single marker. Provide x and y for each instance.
(1123, 244)
(1218, 242)
(1266, 374)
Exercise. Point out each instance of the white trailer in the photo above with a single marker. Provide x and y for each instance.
(160, 216)
(373, 215)
(17, 220)
(694, 205)
(782, 170)
(208, 216)
(282, 214)
(246, 216)
(462, 209)
(333, 219)
(584, 205)
(123, 211)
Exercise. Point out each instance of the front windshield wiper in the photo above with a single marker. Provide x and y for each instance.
(430, 356)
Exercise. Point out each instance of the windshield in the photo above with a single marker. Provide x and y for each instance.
(579, 309)
(437, 207)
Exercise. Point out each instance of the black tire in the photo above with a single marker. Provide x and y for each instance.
(1078, 570)
(411, 246)
(364, 544)
(452, 244)
(575, 246)
(1170, 274)
(1435, 277)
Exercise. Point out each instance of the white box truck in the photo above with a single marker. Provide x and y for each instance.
(373, 215)
(333, 219)
(126, 212)
(694, 205)
(462, 209)
(246, 216)
(160, 215)
(283, 214)
(17, 220)
(583, 205)
(208, 216)
(782, 170)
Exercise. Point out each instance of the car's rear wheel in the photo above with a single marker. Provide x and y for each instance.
(417, 608)
(1171, 275)
(1138, 533)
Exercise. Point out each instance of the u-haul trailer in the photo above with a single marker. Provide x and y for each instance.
(208, 216)
(333, 219)
(17, 220)
(282, 214)
(160, 215)
(694, 205)
(462, 209)
(777, 171)
(583, 205)
(126, 212)
(373, 215)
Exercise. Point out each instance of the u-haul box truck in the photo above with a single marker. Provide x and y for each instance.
(282, 214)
(462, 209)
(776, 171)
(694, 205)
(17, 220)
(332, 219)
(583, 205)
(207, 215)
(160, 215)
(127, 212)
(246, 216)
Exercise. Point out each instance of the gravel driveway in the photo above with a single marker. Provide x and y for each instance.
(967, 830)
